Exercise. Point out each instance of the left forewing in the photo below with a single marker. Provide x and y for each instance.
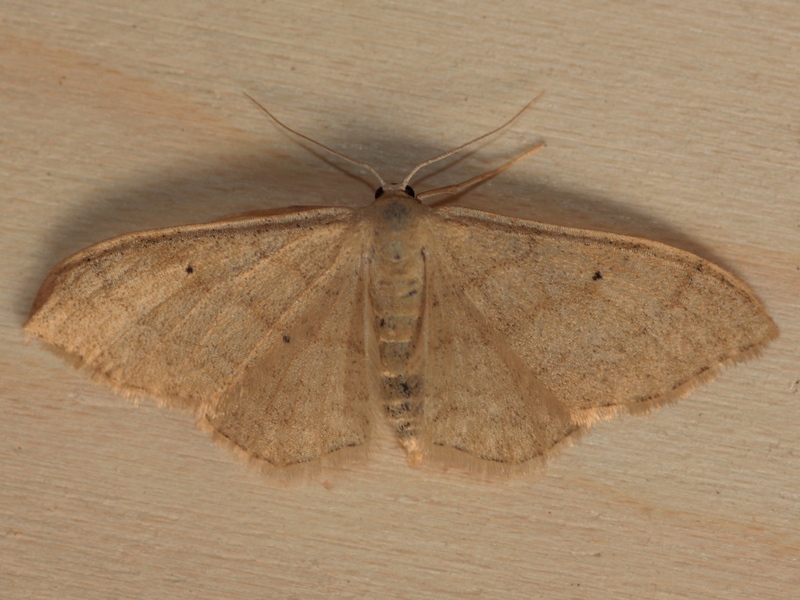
(603, 321)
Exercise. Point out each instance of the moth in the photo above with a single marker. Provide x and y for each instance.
(294, 336)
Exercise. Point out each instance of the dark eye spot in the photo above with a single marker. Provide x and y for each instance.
(286, 338)
(190, 269)
(597, 275)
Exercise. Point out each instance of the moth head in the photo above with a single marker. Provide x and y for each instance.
(395, 187)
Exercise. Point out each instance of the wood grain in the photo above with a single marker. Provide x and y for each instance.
(674, 122)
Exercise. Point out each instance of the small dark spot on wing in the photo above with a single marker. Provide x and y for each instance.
(597, 275)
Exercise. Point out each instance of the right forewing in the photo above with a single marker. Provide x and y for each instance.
(178, 313)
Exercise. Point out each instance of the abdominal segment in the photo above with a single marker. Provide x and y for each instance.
(397, 295)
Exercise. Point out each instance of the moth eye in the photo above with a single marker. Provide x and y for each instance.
(410, 191)
(379, 192)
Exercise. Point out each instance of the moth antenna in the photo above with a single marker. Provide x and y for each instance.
(455, 188)
(469, 143)
(316, 143)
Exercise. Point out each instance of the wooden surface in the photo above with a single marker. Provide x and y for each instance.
(678, 122)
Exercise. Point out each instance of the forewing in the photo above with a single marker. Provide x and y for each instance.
(603, 321)
(179, 313)
(480, 397)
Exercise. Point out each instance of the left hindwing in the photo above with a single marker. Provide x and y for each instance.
(480, 396)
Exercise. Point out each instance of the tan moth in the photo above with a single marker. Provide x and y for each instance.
(294, 336)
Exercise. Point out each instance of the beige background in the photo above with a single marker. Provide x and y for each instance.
(666, 120)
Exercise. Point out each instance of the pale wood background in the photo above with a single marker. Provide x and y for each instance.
(676, 121)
